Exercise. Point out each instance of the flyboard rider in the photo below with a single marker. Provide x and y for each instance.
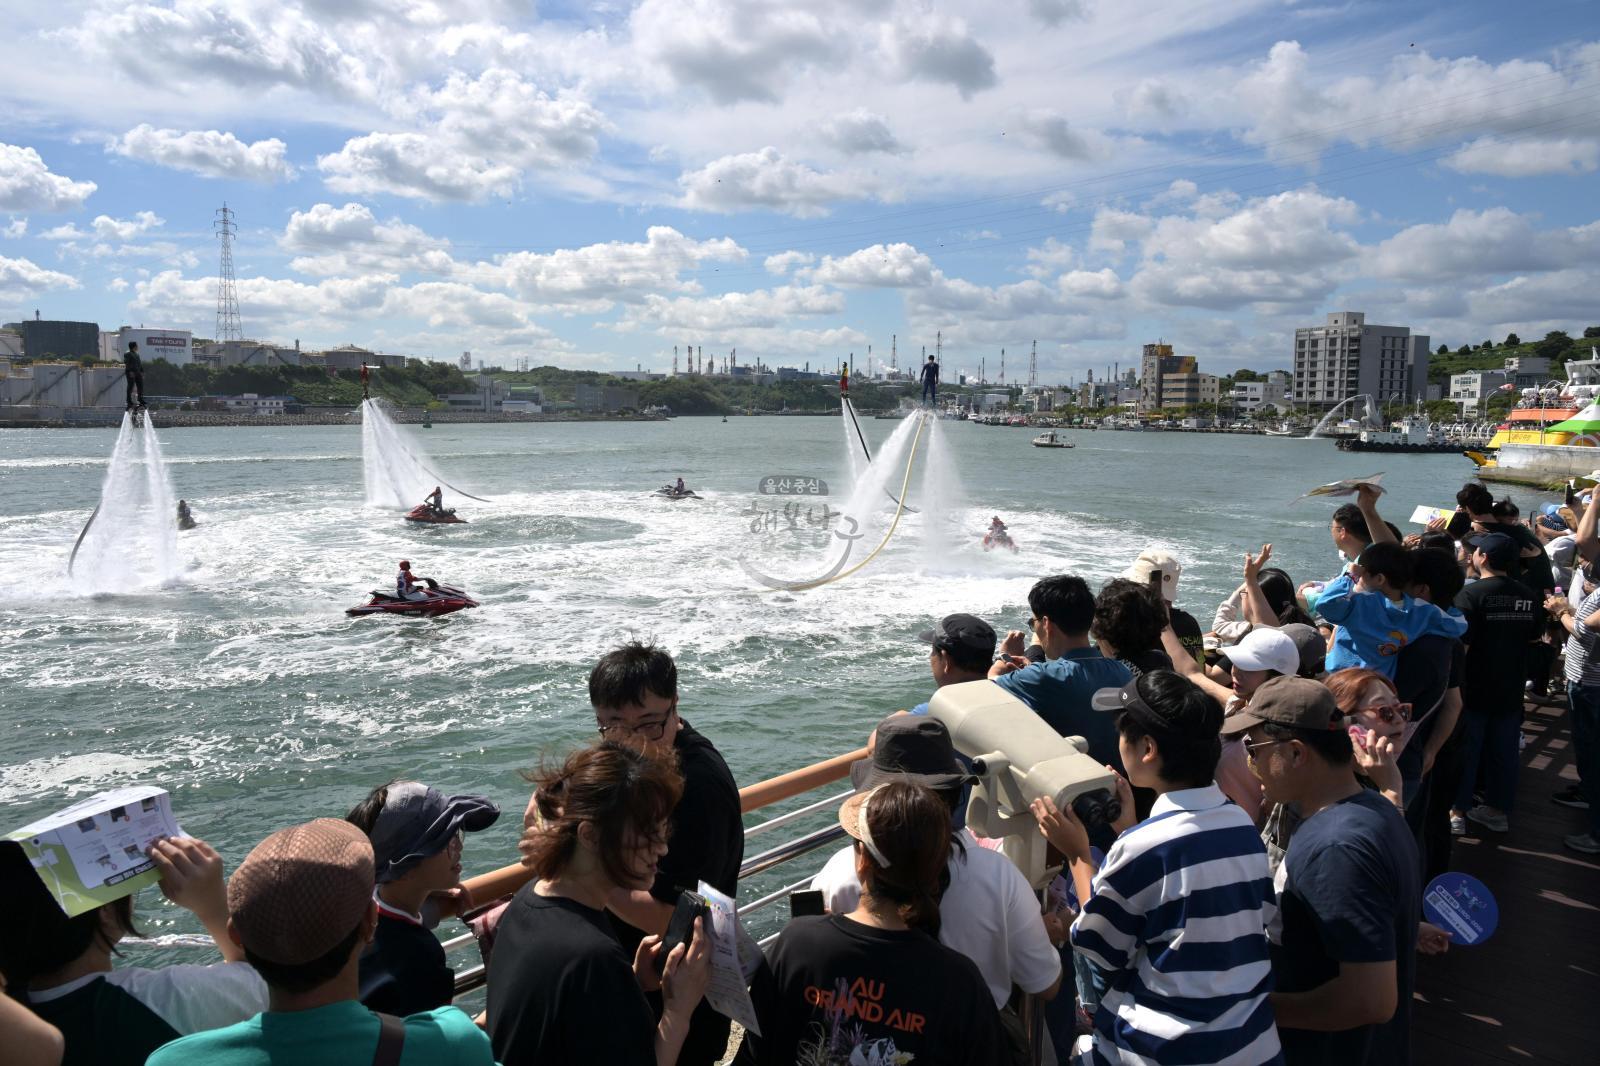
(133, 370)
(366, 381)
(930, 382)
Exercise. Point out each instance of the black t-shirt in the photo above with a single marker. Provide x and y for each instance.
(835, 992)
(707, 844)
(1535, 571)
(1187, 630)
(131, 363)
(1503, 618)
(403, 970)
(1145, 661)
(1425, 670)
(562, 990)
(930, 373)
(1353, 894)
(103, 1025)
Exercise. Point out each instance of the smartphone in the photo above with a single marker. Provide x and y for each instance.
(1460, 525)
(807, 902)
(680, 927)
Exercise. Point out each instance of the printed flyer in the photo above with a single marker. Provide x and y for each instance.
(94, 851)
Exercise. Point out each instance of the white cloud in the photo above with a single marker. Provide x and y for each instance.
(1152, 101)
(416, 165)
(861, 131)
(1060, 201)
(736, 50)
(1050, 130)
(211, 153)
(760, 308)
(894, 266)
(68, 231)
(118, 284)
(26, 184)
(1051, 257)
(784, 262)
(1055, 12)
(592, 278)
(23, 277)
(1482, 243)
(344, 240)
(926, 47)
(1102, 284)
(17, 227)
(766, 180)
(107, 228)
(1113, 228)
(1561, 296)
(1526, 157)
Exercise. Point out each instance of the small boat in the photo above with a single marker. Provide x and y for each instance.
(427, 420)
(441, 599)
(1050, 440)
(993, 540)
(724, 418)
(670, 492)
(425, 514)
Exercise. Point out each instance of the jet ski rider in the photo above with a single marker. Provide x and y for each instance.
(406, 586)
(435, 501)
(997, 528)
(680, 488)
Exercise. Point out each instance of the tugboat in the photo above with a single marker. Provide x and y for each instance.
(1048, 439)
(1410, 434)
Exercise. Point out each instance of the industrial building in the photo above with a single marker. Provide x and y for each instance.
(1347, 357)
(176, 346)
(607, 398)
(47, 339)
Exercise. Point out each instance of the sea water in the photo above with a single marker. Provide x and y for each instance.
(242, 686)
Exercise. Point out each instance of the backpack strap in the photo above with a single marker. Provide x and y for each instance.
(391, 1039)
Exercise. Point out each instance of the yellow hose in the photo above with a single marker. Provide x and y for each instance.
(905, 484)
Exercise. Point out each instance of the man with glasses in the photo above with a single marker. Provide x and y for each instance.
(1349, 893)
(634, 692)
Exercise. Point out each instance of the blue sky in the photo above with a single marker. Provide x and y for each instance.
(589, 185)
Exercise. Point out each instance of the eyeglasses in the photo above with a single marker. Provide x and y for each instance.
(1251, 746)
(1388, 712)
(647, 731)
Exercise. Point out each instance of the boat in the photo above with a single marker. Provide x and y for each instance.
(1410, 434)
(670, 492)
(993, 540)
(1048, 439)
(1283, 430)
(427, 420)
(1546, 464)
(425, 514)
(441, 599)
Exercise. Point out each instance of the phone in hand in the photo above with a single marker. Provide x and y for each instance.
(807, 902)
(680, 927)
(1460, 524)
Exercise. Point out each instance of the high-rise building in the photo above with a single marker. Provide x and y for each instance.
(1347, 357)
(1156, 363)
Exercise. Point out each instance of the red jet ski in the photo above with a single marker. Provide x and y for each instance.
(998, 539)
(441, 599)
(423, 513)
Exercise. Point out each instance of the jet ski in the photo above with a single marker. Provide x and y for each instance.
(993, 540)
(441, 599)
(423, 513)
(670, 492)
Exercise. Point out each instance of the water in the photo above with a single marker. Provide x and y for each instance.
(243, 688)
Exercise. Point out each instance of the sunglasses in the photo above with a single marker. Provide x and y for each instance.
(1250, 747)
(1389, 712)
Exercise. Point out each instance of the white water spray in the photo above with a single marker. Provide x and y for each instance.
(392, 466)
(872, 497)
(132, 540)
(854, 450)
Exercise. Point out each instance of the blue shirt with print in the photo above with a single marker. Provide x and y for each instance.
(1373, 629)
(1059, 691)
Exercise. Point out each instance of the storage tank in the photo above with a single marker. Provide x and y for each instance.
(103, 386)
(56, 385)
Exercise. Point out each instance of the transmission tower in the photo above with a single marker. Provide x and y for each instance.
(228, 327)
(1033, 366)
(1002, 366)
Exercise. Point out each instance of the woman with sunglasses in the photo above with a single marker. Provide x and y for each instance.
(1378, 724)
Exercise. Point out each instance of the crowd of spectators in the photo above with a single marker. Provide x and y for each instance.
(1286, 785)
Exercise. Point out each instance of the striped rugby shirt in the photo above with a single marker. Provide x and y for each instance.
(1583, 664)
(1177, 923)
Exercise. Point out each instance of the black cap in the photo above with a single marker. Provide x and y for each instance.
(914, 748)
(1500, 549)
(1188, 717)
(417, 823)
(962, 630)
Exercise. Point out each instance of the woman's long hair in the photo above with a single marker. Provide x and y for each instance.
(910, 825)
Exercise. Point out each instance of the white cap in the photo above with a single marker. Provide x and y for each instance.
(1152, 561)
(1266, 649)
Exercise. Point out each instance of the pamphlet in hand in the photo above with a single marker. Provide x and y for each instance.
(94, 851)
(732, 951)
(1425, 514)
(1347, 487)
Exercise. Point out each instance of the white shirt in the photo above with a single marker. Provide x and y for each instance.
(989, 914)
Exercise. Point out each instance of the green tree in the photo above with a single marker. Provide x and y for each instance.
(1556, 344)
(1512, 340)
(1590, 332)
(1486, 344)
(1465, 349)
(1248, 375)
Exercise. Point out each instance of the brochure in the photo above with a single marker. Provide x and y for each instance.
(1425, 514)
(94, 851)
(1347, 487)
(729, 991)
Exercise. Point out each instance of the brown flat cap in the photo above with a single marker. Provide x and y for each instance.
(302, 890)
(1297, 702)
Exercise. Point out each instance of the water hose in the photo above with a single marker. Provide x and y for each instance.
(79, 542)
(905, 484)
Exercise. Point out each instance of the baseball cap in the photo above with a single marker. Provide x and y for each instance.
(964, 630)
(1500, 549)
(1151, 561)
(1297, 702)
(1312, 645)
(301, 891)
(1198, 717)
(1266, 649)
(911, 747)
(417, 822)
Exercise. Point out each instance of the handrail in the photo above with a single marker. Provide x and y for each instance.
(507, 879)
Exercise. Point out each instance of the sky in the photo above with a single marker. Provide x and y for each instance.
(590, 184)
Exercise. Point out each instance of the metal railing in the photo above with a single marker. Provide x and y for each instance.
(505, 881)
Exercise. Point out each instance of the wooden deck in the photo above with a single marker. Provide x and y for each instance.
(1531, 993)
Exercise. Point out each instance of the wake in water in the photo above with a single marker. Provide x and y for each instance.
(131, 540)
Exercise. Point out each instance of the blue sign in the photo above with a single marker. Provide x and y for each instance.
(1462, 906)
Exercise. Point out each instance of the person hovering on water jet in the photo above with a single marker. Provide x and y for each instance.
(133, 370)
(844, 380)
(366, 381)
(930, 382)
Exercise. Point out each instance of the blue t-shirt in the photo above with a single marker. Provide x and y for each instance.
(1373, 629)
(1352, 893)
(1059, 691)
(335, 1035)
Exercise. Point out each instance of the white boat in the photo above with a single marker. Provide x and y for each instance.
(1049, 439)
